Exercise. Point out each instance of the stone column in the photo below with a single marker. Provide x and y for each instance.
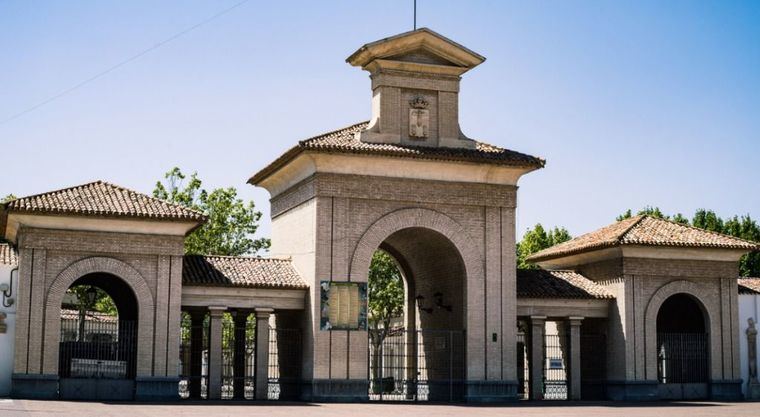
(575, 358)
(196, 352)
(241, 317)
(215, 352)
(537, 357)
(262, 353)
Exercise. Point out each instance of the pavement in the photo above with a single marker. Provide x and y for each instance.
(25, 408)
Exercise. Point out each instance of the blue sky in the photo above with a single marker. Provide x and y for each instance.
(631, 103)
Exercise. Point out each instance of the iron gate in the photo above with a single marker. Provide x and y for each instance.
(416, 365)
(97, 358)
(284, 373)
(682, 365)
(556, 351)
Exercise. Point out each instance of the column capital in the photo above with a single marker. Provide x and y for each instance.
(575, 320)
(216, 311)
(537, 319)
(263, 313)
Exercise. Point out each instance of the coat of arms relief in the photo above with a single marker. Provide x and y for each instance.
(419, 118)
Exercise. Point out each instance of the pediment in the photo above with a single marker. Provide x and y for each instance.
(422, 46)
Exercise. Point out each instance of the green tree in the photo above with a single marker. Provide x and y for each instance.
(385, 302)
(538, 239)
(708, 220)
(648, 210)
(231, 222)
(7, 198)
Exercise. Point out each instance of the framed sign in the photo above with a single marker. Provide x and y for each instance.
(343, 305)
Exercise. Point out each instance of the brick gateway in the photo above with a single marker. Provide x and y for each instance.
(592, 322)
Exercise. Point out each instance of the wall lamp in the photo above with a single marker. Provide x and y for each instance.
(439, 302)
(7, 290)
(419, 299)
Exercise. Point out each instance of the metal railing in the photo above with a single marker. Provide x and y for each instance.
(416, 365)
(682, 358)
(98, 349)
(284, 373)
(556, 356)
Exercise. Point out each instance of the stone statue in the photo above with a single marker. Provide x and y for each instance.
(752, 350)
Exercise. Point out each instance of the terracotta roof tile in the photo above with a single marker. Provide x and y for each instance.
(644, 230)
(103, 199)
(240, 271)
(749, 285)
(539, 283)
(8, 255)
(346, 141)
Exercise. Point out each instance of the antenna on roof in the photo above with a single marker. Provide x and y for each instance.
(415, 14)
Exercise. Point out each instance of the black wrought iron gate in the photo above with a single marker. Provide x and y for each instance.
(97, 359)
(416, 365)
(682, 365)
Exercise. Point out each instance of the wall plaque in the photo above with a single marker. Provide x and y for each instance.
(343, 305)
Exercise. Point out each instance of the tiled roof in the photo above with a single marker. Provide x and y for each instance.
(100, 198)
(539, 283)
(240, 271)
(8, 255)
(749, 285)
(644, 230)
(346, 141)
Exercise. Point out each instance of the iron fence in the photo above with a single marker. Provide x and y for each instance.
(682, 358)
(193, 370)
(102, 348)
(556, 355)
(416, 365)
(284, 373)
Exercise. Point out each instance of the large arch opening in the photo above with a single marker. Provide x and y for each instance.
(98, 344)
(417, 296)
(682, 348)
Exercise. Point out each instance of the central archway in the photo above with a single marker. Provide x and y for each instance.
(682, 348)
(424, 357)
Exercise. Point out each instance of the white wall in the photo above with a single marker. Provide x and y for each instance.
(7, 338)
(749, 306)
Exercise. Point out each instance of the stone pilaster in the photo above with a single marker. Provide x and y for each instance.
(575, 358)
(215, 352)
(262, 353)
(537, 357)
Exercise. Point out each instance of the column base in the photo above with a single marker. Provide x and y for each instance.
(633, 390)
(335, 390)
(726, 390)
(491, 391)
(149, 388)
(753, 391)
(34, 386)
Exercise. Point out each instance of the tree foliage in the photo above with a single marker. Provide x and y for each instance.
(385, 291)
(538, 239)
(385, 302)
(7, 198)
(231, 222)
(102, 303)
(743, 227)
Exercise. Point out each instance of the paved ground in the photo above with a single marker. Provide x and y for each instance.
(19, 408)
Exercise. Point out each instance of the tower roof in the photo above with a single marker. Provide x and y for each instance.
(424, 44)
(346, 141)
(647, 231)
(100, 198)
